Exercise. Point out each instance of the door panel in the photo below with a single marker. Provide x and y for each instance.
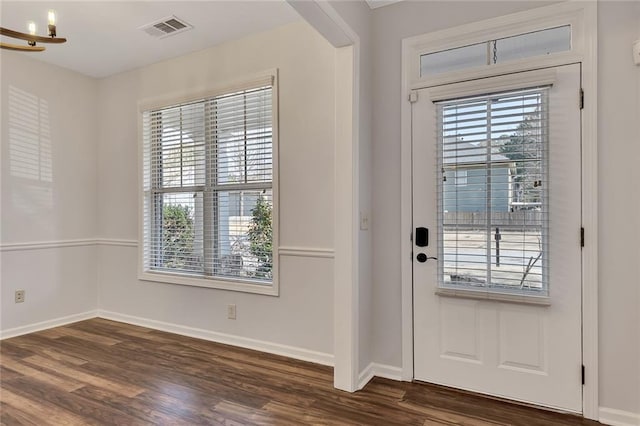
(466, 334)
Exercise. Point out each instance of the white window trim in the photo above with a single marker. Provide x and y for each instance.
(582, 16)
(240, 285)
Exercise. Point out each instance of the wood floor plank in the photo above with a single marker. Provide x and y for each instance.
(9, 348)
(39, 345)
(104, 372)
(66, 384)
(41, 412)
(7, 374)
(123, 389)
(10, 416)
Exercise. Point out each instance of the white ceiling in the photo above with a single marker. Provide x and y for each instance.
(104, 39)
(374, 4)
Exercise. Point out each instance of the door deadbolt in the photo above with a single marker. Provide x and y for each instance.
(422, 237)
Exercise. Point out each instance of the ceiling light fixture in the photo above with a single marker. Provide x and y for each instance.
(31, 38)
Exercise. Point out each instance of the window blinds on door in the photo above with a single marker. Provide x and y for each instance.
(492, 191)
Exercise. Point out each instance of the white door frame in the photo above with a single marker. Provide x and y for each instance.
(583, 18)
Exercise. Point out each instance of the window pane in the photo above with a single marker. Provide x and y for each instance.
(178, 240)
(537, 43)
(244, 137)
(181, 146)
(208, 185)
(453, 59)
(493, 219)
(244, 234)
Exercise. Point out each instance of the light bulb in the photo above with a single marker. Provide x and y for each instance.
(52, 17)
(32, 28)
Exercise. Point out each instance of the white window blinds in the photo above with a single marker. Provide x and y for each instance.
(208, 185)
(493, 212)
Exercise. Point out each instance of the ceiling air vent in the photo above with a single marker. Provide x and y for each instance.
(166, 27)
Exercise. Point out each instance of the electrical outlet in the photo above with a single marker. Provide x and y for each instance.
(231, 311)
(19, 296)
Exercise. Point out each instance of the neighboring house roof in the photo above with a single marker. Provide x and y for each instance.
(469, 153)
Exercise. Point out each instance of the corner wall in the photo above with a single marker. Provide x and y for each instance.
(358, 16)
(301, 318)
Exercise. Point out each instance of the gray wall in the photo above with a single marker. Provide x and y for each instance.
(619, 204)
(390, 25)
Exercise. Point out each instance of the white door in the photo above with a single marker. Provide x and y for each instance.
(496, 189)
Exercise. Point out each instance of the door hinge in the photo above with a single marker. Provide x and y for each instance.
(583, 374)
(413, 96)
(581, 237)
(581, 98)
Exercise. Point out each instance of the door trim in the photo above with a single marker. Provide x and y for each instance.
(585, 53)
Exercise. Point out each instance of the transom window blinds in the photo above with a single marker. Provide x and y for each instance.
(492, 191)
(208, 181)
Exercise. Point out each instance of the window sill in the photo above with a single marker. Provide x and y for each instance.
(230, 284)
(497, 297)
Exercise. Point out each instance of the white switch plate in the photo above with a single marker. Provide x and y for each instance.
(636, 52)
(364, 221)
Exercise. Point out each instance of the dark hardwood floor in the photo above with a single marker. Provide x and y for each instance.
(108, 373)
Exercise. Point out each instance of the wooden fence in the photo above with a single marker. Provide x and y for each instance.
(504, 220)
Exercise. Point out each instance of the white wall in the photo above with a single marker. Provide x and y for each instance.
(619, 221)
(49, 194)
(302, 316)
(358, 17)
(390, 25)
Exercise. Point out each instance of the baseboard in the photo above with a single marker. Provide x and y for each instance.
(387, 372)
(378, 370)
(366, 375)
(227, 339)
(39, 326)
(613, 417)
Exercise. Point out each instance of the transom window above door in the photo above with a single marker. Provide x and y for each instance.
(498, 51)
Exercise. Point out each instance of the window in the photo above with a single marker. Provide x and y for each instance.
(208, 188)
(535, 43)
(493, 215)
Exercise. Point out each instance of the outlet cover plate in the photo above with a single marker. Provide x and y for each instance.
(231, 311)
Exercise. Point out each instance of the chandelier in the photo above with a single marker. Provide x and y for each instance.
(31, 38)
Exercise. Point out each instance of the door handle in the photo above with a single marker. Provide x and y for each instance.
(422, 237)
(421, 257)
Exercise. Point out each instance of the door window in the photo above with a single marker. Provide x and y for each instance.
(493, 212)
